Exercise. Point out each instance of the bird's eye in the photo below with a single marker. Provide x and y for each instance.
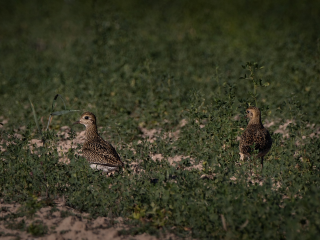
(86, 117)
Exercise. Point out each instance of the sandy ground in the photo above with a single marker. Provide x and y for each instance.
(61, 226)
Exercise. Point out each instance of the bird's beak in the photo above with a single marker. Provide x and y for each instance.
(77, 122)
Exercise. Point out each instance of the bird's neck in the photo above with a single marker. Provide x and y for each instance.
(91, 132)
(256, 121)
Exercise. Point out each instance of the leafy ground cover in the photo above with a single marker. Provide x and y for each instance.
(174, 68)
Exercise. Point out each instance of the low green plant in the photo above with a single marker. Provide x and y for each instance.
(256, 82)
(65, 214)
(31, 206)
(64, 231)
(37, 229)
(20, 225)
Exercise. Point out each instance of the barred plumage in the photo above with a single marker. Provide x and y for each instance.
(100, 154)
(255, 133)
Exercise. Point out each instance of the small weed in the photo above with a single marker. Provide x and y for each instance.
(253, 68)
(54, 209)
(3, 234)
(4, 209)
(20, 225)
(30, 207)
(37, 229)
(64, 231)
(65, 214)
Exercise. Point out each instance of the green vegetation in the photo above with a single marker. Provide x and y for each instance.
(151, 64)
(37, 229)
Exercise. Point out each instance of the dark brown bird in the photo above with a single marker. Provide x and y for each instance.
(100, 154)
(256, 134)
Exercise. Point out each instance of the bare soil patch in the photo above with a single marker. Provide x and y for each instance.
(64, 223)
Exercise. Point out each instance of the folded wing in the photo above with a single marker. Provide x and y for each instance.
(101, 153)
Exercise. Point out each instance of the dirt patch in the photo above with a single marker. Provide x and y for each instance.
(3, 121)
(63, 222)
(152, 134)
(176, 160)
(282, 129)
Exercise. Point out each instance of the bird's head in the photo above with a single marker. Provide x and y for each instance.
(87, 119)
(253, 113)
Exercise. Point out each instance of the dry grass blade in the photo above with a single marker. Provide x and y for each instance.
(35, 117)
(224, 223)
(244, 224)
(49, 121)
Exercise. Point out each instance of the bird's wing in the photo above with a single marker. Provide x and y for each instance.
(108, 146)
(264, 139)
(249, 137)
(245, 142)
(98, 153)
(260, 137)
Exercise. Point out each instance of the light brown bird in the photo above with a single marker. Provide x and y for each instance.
(100, 154)
(256, 134)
